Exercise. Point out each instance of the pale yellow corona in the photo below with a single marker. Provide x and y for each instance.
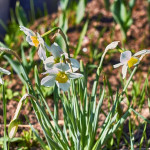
(62, 77)
(132, 61)
(35, 41)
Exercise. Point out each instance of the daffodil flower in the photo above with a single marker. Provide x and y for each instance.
(127, 60)
(35, 40)
(3, 71)
(60, 75)
(58, 56)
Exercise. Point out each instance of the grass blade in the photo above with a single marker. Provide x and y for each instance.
(5, 117)
(81, 39)
(131, 136)
(38, 137)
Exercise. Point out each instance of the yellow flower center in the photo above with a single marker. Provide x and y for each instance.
(61, 77)
(56, 60)
(132, 61)
(35, 41)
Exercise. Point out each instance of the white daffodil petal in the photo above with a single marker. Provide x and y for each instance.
(124, 70)
(49, 66)
(147, 51)
(62, 66)
(48, 81)
(28, 39)
(125, 56)
(55, 50)
(52, 71)
(74, 75)
(40, 39)
(112, 45)
(142, 52)
(4, 71)
(49, 62)
(27, 31)
(42, 53)
(64, 86)
(75, 64)
(118, 65)
(1, 81)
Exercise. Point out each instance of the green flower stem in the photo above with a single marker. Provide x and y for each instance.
(125, 87)
(99, 69)
(112, 45)
(4, 117)
(50, 31)
(130, 78)
(124, 35)
(61, 33)
(56, 102)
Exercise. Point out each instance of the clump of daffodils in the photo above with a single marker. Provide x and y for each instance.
(127, 60)
(60, 69)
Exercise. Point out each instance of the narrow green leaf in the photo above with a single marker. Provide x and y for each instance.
(144, 134)
(140, 115)
(3, 25)
(32, 10)
(107, 4)
(95, 123)
(51, 114)
(64, 4)
(16, 67)
(5, 118)
(38, 137)
(131, 136)
(48, 125)
(20, 14)
(81, 39)
(24, 60)
(123, 12)
(36, 75)
(132, 3)
(80, 10)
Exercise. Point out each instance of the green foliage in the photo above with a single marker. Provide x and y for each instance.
(122, 13)
(21, 15)
(107, 4)
(80, 10)
(81, 113)
(4, 118)
(64, 4)
(82, 35)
